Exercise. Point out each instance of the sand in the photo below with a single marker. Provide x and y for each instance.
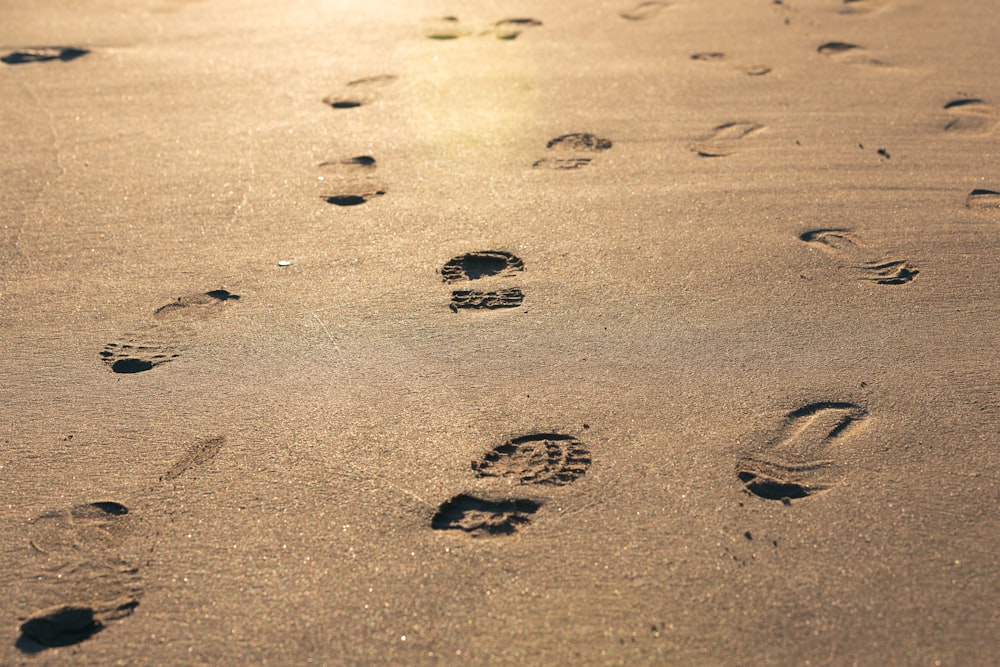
(407, 333)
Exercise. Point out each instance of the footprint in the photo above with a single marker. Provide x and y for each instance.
(831, 240)
(798, 462)
(719, 57)
(644, 10)
(132, 358)
(196, 306)
(862, 6)
(445, 28)
(68, 624)
(842, 242)
(351, 199)
(725, 139)
(572, 151)
(449, 27)
(508, 29)
(476, 265)
(359, 92)
(354, 179)
(508, 297)
(198, 454)
(542, 458)
(484, 518)
(41, 54)
(851, 54)
(78, 529)
(983, 200)
(897, 272)
(971, 116)
(79, 548)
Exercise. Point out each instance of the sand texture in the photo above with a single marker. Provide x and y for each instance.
(528, 333)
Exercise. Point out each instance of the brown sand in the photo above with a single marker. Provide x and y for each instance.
(769, 443)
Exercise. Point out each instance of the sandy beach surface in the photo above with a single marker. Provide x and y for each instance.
(535, 333)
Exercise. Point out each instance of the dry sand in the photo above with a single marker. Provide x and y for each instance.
(729, 397)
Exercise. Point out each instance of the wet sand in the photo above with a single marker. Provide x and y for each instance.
(499, 333)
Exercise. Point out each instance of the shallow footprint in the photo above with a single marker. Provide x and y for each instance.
(196, 306)
(644, 10)
(84, 527)
(41, 54)
(862, 6)
(797, 462)
(359, 92)
(539, 458)
(572, 151)
(851, 54)
(971, 116)
(719, 57)
(508, 29)
(725, 139)
(484, 518)
(129, 358)
(446, 28)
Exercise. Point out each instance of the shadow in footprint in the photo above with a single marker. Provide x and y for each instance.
(41, 54)
(725, 139)
(508, 29)
(796, 463)
(479, 517)
(541, 458)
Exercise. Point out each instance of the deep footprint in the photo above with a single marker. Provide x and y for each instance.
(484, 518)
(129, 359)
(476, 265)
(351, 199)
(65, 625)
(889, 273)
(985, 200)
(509, 297)
(43, 54)
(542, 458)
